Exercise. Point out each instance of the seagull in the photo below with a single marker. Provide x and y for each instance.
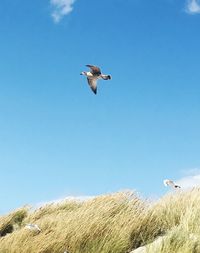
(93, 75)
(168, 182)
(33, 227)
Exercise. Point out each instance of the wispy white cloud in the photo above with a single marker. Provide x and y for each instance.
(193, 6)
(191, 179)
(61, 8)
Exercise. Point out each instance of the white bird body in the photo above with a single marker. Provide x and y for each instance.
(33, 227)
(88, 74)
(168, 182)
(93, 76)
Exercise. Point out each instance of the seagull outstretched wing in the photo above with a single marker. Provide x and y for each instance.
(93, 84)
(94, 69)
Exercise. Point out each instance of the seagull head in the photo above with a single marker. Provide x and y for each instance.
(83, 73)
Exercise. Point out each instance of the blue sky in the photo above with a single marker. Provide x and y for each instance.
(56, 137)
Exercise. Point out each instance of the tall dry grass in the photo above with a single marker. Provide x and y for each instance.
(179, 215)
(115, 223)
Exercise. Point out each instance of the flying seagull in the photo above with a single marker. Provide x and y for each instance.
(93, 75)
(33, 227)
(168, 182)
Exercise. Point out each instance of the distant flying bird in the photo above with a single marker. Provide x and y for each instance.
(33, 227)
(93, 75)
(168, 182)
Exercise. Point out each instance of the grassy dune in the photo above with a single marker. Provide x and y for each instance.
(116, 223)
